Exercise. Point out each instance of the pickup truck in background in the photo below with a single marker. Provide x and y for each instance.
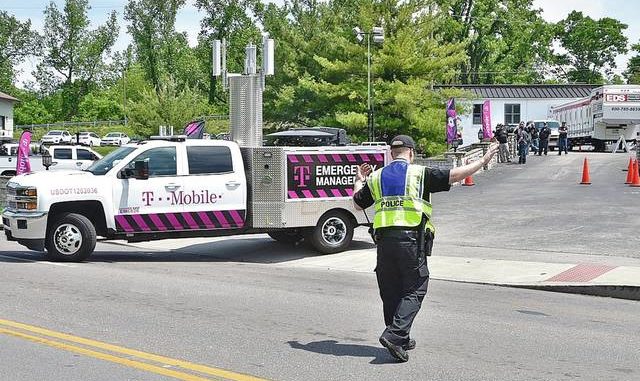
(175, 188)
(63, 158)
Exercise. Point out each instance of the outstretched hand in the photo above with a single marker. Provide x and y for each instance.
(491, 151)
(364, 170)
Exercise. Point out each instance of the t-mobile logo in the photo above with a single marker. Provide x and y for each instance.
(301, 174)
(147, 197)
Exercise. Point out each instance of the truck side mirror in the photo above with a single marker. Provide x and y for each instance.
(141, 169)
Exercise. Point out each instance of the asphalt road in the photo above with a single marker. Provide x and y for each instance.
(541, 207)
(282, 323)
(237, 306)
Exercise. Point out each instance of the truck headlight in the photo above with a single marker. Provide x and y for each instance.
(26, 192)
(22, 197)
(27, 205)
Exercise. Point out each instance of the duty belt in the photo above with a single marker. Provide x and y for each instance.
(397, 233)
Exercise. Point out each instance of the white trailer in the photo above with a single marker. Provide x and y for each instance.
(610, 114)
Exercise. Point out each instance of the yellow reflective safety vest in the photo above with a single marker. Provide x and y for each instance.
(397, 191)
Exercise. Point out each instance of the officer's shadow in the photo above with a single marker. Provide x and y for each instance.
(332, 347)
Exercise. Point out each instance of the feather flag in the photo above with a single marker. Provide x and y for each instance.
(452, 121)
(194, 129)
(23, 165)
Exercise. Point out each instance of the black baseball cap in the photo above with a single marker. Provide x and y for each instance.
(401, 141)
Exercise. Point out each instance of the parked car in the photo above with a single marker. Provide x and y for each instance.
(87, 138)
(115, 139)
(56, 137)
(63, 157)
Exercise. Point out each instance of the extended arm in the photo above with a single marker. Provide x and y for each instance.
(459, 173)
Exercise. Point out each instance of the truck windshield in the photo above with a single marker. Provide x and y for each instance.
(105, 164)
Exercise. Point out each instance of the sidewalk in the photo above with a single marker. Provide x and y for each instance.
(584, 277)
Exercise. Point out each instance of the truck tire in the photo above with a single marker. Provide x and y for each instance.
(287, 236)
(71, 238)
(333, 233)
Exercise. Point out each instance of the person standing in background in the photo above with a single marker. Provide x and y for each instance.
(563, 131)
(543, 145)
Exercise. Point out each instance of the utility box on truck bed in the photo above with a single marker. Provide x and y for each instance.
(290, 186)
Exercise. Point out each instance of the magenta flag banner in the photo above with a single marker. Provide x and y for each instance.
(194, 129)
(23, 165)
(452, 121)
(487, 133)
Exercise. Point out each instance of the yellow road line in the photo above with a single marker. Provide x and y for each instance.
(104, 356)
(131, 352)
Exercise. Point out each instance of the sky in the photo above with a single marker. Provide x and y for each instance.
(188, 20)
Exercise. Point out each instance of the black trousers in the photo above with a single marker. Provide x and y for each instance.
(403, 279)
(544, 145)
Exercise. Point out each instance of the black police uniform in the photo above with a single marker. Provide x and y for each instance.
(403, 276)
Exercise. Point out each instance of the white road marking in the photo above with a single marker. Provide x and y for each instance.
(34, 261)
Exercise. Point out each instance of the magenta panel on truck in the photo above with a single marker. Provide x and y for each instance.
(326, 175)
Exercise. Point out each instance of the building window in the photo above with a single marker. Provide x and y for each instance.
(2, 122)
(477, 114)
(511, 113)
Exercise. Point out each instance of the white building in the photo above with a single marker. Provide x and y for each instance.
(6, 116)
(511, 104)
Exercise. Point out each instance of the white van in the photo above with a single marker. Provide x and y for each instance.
(554, 125)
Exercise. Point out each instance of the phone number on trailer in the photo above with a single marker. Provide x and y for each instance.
(625, 108)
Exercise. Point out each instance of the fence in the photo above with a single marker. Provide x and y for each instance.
(63, 125)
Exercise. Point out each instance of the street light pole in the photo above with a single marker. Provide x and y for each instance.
(377, 33)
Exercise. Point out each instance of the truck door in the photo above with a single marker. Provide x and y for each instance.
(215, 194)
(150, 205)
(62, 158)
(84, 158)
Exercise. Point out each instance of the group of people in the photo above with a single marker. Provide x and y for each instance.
(530, 138)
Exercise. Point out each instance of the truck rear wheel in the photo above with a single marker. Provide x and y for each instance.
(287, 236)
(333, 233)
(71, 238)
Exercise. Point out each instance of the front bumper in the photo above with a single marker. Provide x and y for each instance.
(20, 226)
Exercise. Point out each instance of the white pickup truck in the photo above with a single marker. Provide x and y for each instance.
(62, 158)
(176, 188)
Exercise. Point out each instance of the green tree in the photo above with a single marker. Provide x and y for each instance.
(592, 46)
(507, 40)
(17, 41)
(158, 47)
(632, 74)
(166, 106)
(321, 72)
(231, 20)
(74, 55)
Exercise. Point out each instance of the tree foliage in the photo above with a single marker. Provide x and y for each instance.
(507, 40)
(17, 41)
(73, 61)
(159, 48)
(592, 46)
(321, 69)
(632, 74)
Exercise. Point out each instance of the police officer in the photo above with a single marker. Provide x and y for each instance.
(401, 192)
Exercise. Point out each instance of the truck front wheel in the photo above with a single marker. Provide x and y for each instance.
(333, 233)
(71, 238)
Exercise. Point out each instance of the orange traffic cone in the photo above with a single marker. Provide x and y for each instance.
(586, 180)
(636, 177)
(630, 169)
(468, 181)
(630, 164)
